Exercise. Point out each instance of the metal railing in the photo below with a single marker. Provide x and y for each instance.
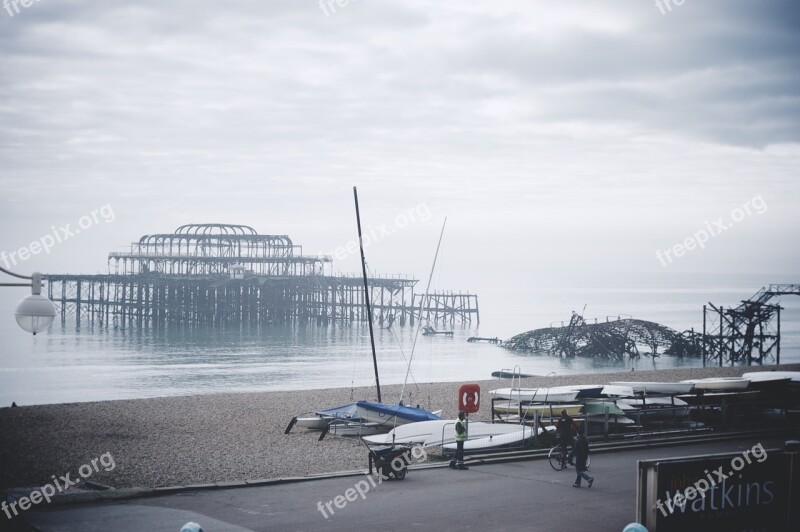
(507, 439)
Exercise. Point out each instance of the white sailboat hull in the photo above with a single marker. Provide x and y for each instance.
(410, 433)
(427, 433)
(495, 441)
(658, 387)
(617, 391)
(542, 395)
(761, 376)
(721, 383)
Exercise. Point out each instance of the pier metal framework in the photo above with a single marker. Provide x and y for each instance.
(447, 307)
(612, 337)
(749, 333)
(227, 275)
(209, 249)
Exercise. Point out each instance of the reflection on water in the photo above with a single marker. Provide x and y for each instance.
(65, 365)
(86, 365)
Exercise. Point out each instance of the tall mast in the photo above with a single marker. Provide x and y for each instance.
(423, 303)
(366, 296)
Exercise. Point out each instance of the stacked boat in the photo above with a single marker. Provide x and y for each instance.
(770, 379)
(606, 410)
(762, 386)
(633, 404)
(650, 402)
(772, 376)
(731, 384)
(520, 405)
(656, 387)
(559, 394)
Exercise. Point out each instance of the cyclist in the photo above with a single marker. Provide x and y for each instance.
(566, 427)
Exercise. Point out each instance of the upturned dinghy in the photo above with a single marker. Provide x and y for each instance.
(658, 387)
(539, 395)
(728, 384)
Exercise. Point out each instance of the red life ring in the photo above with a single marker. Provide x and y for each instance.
(469, 398)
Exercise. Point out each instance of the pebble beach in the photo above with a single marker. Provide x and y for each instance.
(179, 441)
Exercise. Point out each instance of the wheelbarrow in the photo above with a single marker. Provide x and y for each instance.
(391, 461)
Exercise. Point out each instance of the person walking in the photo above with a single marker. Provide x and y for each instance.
(581, 455)
(461, 436)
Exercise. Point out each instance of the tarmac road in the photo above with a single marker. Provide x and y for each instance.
(523, 495)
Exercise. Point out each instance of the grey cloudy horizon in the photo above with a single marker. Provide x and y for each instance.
(554, 135)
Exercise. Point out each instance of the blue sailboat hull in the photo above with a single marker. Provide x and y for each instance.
(393, 414)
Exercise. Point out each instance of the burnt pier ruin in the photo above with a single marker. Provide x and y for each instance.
(227, 275)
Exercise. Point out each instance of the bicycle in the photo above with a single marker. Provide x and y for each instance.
(558, 458)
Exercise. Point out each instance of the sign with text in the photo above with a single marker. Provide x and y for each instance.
(736, 492)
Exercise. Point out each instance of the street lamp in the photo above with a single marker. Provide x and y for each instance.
(35, 313)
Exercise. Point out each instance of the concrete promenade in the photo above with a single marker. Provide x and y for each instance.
(522, 495)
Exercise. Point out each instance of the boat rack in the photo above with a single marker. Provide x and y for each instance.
(705, 413)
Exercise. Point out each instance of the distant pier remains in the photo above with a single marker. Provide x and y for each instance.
(220, 275)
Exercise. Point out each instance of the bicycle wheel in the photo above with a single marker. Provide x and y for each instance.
(555, 457)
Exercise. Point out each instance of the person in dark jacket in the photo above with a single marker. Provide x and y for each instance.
(581, 454)
(566, 427)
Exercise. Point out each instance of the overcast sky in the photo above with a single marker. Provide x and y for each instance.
(554, 135)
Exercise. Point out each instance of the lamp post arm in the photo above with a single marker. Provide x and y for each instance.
(35, 281)
(12, 274)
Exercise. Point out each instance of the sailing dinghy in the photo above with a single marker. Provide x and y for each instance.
(399, 414)
(365, 417)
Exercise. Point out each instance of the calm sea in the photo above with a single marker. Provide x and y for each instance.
(65, 365)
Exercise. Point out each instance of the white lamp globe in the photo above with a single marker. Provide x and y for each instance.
(35, 313)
